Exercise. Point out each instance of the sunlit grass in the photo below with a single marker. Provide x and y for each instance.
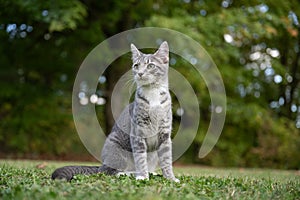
(31, 180)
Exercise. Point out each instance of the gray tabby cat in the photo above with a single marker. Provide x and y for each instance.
(141, 137)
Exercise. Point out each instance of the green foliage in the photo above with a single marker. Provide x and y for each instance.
(43, 44)
(261, 142)
(23, 180)
(254, 135)
(58, 16)
(37, 73)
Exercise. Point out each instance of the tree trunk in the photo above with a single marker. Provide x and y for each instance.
(116, 70)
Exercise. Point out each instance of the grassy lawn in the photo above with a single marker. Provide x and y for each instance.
(31, 180)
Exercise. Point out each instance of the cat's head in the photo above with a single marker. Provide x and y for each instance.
(151, 69)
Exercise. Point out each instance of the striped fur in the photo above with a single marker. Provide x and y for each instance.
(141, 137)
(68, 172)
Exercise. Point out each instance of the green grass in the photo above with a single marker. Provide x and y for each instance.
(24, 180)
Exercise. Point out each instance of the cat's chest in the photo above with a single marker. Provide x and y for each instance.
(156, 98)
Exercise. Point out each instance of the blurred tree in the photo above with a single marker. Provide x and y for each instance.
(43, 45)
(37, 70)
(255, 44)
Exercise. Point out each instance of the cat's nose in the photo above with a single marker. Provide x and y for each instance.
(140, 74)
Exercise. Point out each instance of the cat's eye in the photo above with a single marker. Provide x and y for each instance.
(135, 66)
(150, 66)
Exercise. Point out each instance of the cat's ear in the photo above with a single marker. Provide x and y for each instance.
(163, 52)
(135, 52)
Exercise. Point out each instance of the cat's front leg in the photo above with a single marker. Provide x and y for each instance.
(139, 148)
(165, 157)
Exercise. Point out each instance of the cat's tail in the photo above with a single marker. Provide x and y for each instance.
(68, 172)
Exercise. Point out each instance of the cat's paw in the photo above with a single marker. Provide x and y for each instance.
(176, 180)
(141, 178)
(173, 178)
(154, 173)
(123, 174)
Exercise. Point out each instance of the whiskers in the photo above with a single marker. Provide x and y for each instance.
(130, 83)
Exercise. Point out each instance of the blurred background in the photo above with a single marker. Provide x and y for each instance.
(255, 44)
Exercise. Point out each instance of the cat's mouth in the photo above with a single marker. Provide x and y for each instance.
(143, 81)
(142, 78)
